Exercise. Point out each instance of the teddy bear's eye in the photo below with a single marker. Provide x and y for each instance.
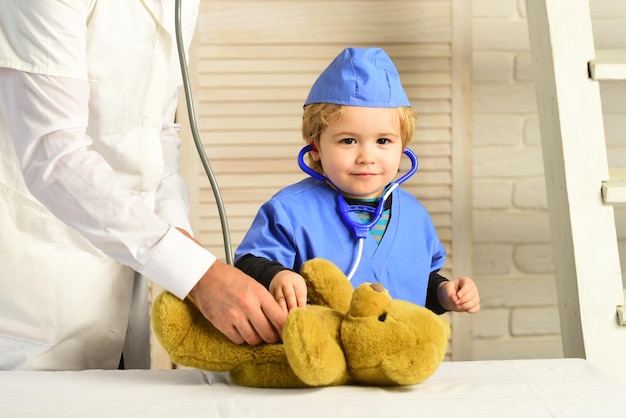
(382, 317)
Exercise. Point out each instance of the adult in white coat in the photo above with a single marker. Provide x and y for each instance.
(91, 199)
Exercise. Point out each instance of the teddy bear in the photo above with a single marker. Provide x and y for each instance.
(344, 336)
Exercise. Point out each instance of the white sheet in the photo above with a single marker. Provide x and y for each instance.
(514, 388)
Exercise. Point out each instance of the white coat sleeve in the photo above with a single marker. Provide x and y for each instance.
(46, 117)
(45, 104)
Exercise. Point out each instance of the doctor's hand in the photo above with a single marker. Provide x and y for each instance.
(459, 295)
(237, 305)
(289, 290)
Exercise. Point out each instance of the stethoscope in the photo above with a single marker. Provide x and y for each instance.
(196, 136)
(360, 230)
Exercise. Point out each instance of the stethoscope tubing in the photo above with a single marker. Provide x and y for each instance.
(196, 136)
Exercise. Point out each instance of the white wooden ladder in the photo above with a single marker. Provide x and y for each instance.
(580, 188)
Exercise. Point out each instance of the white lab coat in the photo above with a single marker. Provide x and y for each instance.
(64, 304)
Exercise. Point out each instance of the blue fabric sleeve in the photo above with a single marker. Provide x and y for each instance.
(270, 236)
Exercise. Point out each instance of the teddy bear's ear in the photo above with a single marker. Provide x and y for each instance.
(327, 285)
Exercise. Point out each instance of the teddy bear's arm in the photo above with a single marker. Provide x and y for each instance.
(311, 342)
(190, 339)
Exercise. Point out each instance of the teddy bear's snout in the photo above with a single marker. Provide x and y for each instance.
(370, 299)
(377, 287)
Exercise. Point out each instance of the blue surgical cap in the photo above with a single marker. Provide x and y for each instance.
(364, 77)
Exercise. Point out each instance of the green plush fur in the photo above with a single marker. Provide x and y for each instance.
(345, 336)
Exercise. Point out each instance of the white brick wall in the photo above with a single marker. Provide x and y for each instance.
(513, 263)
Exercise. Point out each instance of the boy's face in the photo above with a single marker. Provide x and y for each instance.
(360, 153)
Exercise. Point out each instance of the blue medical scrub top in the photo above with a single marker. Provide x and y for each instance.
(302, 222)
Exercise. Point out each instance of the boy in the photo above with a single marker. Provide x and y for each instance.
(357, 122)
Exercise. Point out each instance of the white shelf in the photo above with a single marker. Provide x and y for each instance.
(609, 64)
(614, 189)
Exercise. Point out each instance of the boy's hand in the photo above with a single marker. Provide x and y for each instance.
(289, 290)
(459, 295)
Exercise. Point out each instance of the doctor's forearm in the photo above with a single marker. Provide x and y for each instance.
(172, 195)
(80, 188)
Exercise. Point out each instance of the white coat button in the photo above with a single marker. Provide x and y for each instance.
(145, 123)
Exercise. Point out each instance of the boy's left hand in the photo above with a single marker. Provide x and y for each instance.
(459, 295)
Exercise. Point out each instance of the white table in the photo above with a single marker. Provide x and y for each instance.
(513, 388)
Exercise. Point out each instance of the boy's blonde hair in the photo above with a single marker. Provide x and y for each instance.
(317, 116)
